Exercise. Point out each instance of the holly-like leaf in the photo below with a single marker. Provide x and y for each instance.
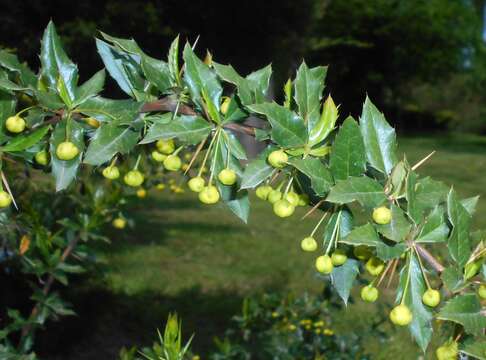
(421, 327)
(201, 80)
(252, 89)
(348, 156)
(157, 72)
(366, 191)
(459, 241)
(11, 62)
(229, 74)
(119, 112)
(465, 310)
(434, 228)
(90, 88)
(288, 129)
(323, 125)
(379, 138)
(255, 173)
(309, 85)
(25, 141)
(258, 82)
(316, 171)
(475, 348)
(7, 108)
(65, 171)
(398, 228)
(57, 68)
(343, 278)
(470, 204)
(109, 140)
(453, 278)
(362, 235)
(386, 252)
(188, 129)
(429, 193)
(234, 145)
(123, 68)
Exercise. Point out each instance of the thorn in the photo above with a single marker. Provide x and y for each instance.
(422, 161)
(313, 209)
(4, 179)
(196, 153)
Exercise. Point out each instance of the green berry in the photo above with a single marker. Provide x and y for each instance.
(283, 208)
(227, 177)
(278, 158)
(66, 151)
(401, 315)
(133, 178)
(338, 257)
(196, 184)
(172, 163)
(324, 264)
(309, 244)
(369, 293)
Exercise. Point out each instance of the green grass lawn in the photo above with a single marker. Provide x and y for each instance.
(201, 262)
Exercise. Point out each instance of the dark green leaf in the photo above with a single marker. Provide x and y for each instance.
(25, 141)
(57, 68)
(421, 326)
(386, 252)
(119, 112)
(157, 72)
(366, 191)
(90, 88)
(348, 155)
(459, 242)
(398, 228)
(453, 279)
(65, 171)
(435, 228)
(475, 348)
(465, 310)
(362, 235)
(255, 172)
(201, 80)
(186, 128)
(316, 171)
(379, 138)
(236, 149)
(288, 129)
(122, 68)
(343, 278)
(309, 84)
(109, 140)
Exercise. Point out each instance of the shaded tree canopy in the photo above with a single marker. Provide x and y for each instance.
(385, 48)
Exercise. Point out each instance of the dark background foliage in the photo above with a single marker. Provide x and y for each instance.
(422, 61)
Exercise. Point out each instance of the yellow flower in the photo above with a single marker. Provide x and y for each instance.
(317, 331)
(196, 357)
(275, 314)
(328, 332)
(319, 323)
(291, 327)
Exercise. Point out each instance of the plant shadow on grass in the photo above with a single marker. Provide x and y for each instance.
(107, 321)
